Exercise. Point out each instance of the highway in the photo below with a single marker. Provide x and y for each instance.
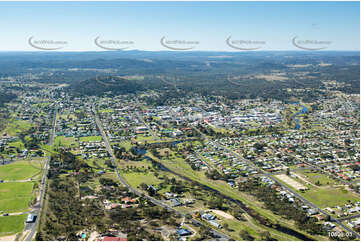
(37, 208)
(219, 235)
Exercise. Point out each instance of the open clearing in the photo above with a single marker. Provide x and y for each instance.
(11, 224)
(15, 196)
(16, 126)
(18, 170)
(90, 138)
(222, 214)
(313, 177)
(291, 182)
(327, 196)
(330, 197)
(64, 141)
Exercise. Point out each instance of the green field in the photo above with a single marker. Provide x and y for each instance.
(64, 141)
(136, 178)
(329, 197)
(90, 138)
(326, 196)
(12, 224)
(16, 126)
(18, 170)
(108, 110)
(15, 196)
(313, 177)
(18, 144)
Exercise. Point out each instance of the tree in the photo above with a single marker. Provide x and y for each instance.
(244, 234)
(265, 235)
(288, 171)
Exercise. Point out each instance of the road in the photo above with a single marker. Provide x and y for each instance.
(37, 208)
(145, 124)
(218, 234)
(348, 218)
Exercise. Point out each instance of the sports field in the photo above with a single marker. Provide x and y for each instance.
(15, 196)
(19, 170)
(12, 224)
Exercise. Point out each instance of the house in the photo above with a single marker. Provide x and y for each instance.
(128, 200)
(215, 224)
(208, 216)
(312, 211)
(330, 225)
(170, 195)
(114, 205)
(175, 202)
(108, 238)
(183, 232)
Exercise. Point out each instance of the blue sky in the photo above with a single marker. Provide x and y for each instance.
(209, 23)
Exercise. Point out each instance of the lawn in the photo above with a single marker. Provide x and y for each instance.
(108, 110)
(313, 177)
(329, 197)
(90, 138)
(16, 127)
(15, 196)
(12, 224)
(18, 170)
(136, 178)
(64, 141)
(18, 144)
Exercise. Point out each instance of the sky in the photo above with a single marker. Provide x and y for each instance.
(203, 25)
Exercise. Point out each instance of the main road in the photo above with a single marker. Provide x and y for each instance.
(38, 206)
(219, 235)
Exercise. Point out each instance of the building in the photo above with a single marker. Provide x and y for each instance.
(183, 232)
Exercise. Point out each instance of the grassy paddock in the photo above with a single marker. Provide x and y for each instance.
(313, 177)
(329, 197)
(12, 224)
(90, 138)
(15, 196)
(18, 170)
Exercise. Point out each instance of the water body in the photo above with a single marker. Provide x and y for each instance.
(303, 111)
(139, 151)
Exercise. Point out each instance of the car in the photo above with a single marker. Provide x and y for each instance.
(5, 214)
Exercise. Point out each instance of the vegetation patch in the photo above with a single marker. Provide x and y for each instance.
(90, 138)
